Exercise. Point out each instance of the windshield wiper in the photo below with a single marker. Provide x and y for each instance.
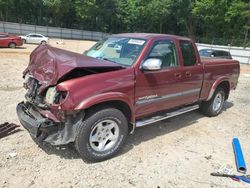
(106, 59)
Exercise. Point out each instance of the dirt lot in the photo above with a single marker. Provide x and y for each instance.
(179, 152)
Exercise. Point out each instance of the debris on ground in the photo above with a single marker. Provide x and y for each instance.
(244, 178)
(226, 169)
(60, 42)
(239, 158)
(12, 154)
(7, 129)
(208, 157)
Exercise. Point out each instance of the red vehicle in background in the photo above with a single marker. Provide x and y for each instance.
(9, 40)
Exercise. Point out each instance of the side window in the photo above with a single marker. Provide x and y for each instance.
(213, 54)
(216, 54)
(188, 54)
(226, 54)
(220, 54)
(3, 36)
(166, 52)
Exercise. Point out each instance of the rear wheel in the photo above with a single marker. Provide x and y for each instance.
(101, 135)
(12, 45)
(214, 106)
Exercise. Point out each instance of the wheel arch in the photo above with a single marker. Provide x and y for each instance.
(11, 42)
(223, 83)
(116, 100)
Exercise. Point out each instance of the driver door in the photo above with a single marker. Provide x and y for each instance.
(159, 90)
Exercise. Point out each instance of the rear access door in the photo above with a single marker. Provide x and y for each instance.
(192, 72)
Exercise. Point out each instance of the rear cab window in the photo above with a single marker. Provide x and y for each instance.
(188, 53)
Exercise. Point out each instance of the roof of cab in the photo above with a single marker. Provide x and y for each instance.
(150, 36)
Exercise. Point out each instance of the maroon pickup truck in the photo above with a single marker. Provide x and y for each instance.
(124, 81)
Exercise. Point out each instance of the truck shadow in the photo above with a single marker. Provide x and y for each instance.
(141, 135)
(65, 152)
(164, 127)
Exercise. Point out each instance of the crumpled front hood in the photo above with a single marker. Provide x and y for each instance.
(48, 64)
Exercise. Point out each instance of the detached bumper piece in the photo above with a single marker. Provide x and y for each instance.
(7, 129)
(44, 129)
(29, 121)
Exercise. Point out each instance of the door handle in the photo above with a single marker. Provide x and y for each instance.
(177, 75)
(188, 74)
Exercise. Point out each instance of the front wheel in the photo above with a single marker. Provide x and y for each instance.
(101, 135)
(12, 45)
(214, 106)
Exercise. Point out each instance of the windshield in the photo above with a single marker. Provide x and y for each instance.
(122, 51)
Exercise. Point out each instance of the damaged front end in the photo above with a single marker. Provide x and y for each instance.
(48, 112)
(45, 129)
(53, 126)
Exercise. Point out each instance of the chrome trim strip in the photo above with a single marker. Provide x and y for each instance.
(168, 115)
(165, 97)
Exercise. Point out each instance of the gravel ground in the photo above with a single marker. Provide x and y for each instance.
(178, 152)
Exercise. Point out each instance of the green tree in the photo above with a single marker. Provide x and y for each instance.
(208, 19)
(238, 19)
(56, 11)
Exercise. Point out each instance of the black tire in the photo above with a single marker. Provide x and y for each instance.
(24, 41)
(12, 45)
(43, 42)
(207, 107)
(89, 126)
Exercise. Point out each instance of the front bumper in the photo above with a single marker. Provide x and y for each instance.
(30, 120)
(44, 129)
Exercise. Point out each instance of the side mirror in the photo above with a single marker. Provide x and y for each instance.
(151, 64)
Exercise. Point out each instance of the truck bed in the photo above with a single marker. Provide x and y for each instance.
(219, 69)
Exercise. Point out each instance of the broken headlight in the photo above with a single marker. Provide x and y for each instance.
(50, 95)
(54, 97)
